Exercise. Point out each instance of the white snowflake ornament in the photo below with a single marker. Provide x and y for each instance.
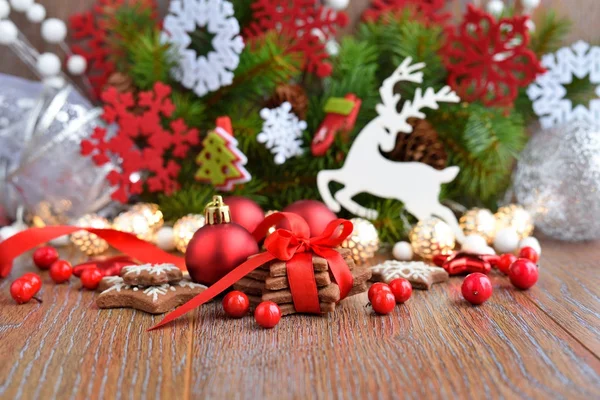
(282, 132)
(548, 92)
(204, 73)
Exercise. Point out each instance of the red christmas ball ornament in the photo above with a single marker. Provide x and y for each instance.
(219, 246)
(34, 279)
(315, 213)
(61, 271)
(236, 304)
(90, 278)
(44, 257)
(22, 290)
(383, 302)
(376, 288)
(401, 289)
(267, 314)
(530, 254)
(245, 212)
(505, 261)
(523, 273)
(476, 288)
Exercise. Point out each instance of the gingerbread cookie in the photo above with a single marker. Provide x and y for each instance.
(156, 299)
(419, 274)
(151, 274)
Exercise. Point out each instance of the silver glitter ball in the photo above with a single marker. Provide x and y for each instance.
(558, 181)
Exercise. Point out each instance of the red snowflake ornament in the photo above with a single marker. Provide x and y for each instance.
(306, 21)
(488, 60)
(141, 144)
(91, 29)
(425, 10)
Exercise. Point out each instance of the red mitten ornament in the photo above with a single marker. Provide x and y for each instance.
(341, 117)
(488, 59)
(307, 22)
(219, 246)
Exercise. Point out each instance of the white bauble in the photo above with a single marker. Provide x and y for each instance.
(495, 7)
(21, 5)
(531, 242)
(337, 5)
(474, 244)
(403, 251)
(487, 251)
(4, 9)
(530, 25)
(8, 32)
(530, 4)
(76, 65)
(506, 241)
(48, 64)
(332, 47)
(54, 30)
(11, 230)
(36, 13)
(165, 239)
(61, 241)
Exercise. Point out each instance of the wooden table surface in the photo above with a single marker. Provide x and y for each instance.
(542, 343)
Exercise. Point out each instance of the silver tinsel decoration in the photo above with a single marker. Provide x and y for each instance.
(558, 181)
(41, 168)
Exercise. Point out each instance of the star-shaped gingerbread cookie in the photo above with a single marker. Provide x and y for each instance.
(419, 274)
(151, 275)
(156, 299)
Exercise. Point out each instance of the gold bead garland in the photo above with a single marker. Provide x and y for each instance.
(136, 223)
(184, 230)
(515, 217)
(364, 240)
(152, 213)
(431, 237)
(90, 243)
(481, 222)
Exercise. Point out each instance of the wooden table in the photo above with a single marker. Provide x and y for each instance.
(542, 343)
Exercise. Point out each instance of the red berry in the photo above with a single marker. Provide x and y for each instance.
(267, 314)
(90, 278)
(476, 288)
(61, 271)
(523, 273)
(383, 302)
(22, 290)
(529, 253)
(401, 289)
(505, 262)
(34, 279)
(376, 288)
(236, 304)
(44, 257)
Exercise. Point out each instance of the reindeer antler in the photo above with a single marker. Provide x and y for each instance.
(404, 73)
(428, 100)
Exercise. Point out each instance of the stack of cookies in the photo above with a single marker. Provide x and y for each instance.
(154, 289)
(270, 283)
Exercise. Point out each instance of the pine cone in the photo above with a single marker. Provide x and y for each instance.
(295, 95)
(422, 145)
(122, 82)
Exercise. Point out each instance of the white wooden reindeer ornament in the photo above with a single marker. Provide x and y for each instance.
(416, 184)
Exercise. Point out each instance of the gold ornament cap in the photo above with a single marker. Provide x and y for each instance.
(216, 212)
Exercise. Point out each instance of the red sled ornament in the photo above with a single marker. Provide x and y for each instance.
(341, 117)
(307, 22)
(427, 11)
(488, 59)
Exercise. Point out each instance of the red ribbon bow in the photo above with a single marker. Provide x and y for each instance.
(295, 247)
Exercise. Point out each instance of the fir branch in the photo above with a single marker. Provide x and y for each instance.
(550, 33)
(150, 60)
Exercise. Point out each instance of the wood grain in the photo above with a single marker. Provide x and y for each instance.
(541, 343)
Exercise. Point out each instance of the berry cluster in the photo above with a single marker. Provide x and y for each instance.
(384, 297)
(236, 304)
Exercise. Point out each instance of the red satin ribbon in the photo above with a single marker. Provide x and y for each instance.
(295, 247)
(126, 243)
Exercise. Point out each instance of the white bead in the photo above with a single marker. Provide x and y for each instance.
(21, 5)
(76, 65)
(60, 241)
(530, 25)
(54, 30)
(9, 231)
(530, 4)
(8, 32)
(531, 242)
(332, 47)
(4, 9)
(337, 5)
(495, 7)
(475, 244)
(507, 241)
(403, 251)
(165, 239)
(36, 13)
(48, 64)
